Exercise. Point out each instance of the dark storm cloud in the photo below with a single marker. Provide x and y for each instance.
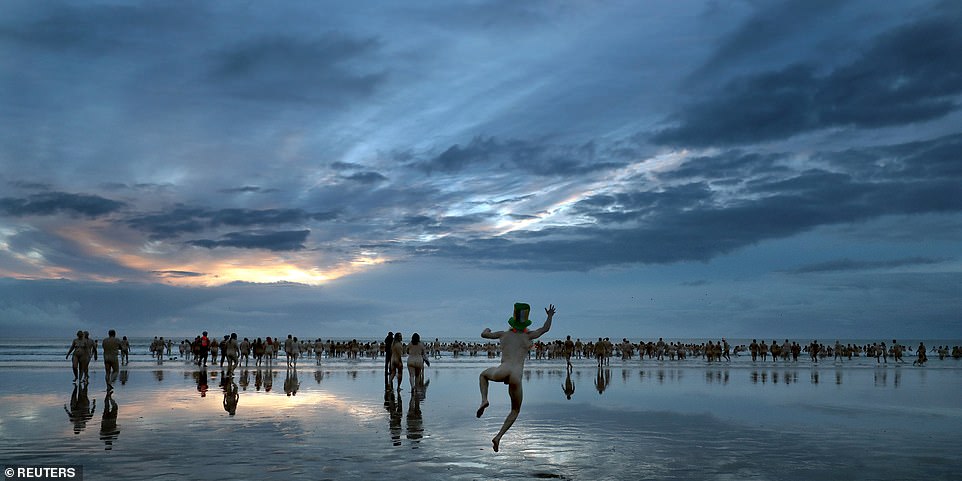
(734, 164)
(293, 69)
(272, 241)
(845, 265)
(52, 203)
(909, 74)
(346, 166)
(366, 178)
(695, 222)
(622, 207)
(484, 153)
(192, 220)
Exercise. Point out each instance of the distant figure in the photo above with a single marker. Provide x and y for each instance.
(515, 345)
(124, 351)
(232, 352)
(387, 352)
(111, 347)
(569, 349)
(290, 348)
(397, 366)
(922, 357)
(81, 356)
(204, 348)
(416, 360)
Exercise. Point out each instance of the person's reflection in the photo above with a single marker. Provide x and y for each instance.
(258, 379)
(201, 377)
(318, 376)
(109, 431)
(394, 408)
(81, 410)
(569, 386)
(245, 379)
(231, 396)
(159, 375)
(602, 380)
(124, 377)
(415, 423)
(291, 384)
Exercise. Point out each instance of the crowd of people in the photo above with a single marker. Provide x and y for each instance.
(230, 350)
(514, 346)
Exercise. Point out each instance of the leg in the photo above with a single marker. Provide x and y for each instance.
(514, 390)
(483, 380)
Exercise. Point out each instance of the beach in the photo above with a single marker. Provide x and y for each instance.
(636, 419)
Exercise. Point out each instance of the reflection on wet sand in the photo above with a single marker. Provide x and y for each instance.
(602, 379)
(291, 384)
(231, 396)
(395, 412)
(569, 386)
(81, 409)
(109, 430)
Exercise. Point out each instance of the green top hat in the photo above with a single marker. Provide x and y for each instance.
(520, 321)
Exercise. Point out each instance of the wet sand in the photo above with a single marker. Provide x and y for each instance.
(631, 421)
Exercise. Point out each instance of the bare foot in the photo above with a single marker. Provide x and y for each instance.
(481, 411)
(495, 442)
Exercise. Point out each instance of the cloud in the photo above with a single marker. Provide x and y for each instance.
(367, 178)
(907, 75)
(177, 274)
(289, 68)
(846, 265)
(52, 203)
(191, 220)
(67, 256)
(539, 158)
(698, 221)
(248, 189)
(272, 241)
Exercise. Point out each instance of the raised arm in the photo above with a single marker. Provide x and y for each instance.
(488, 334)
(547, 323)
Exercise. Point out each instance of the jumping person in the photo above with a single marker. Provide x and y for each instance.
(515, 345)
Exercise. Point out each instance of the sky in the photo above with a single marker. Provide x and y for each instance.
(678, 168)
